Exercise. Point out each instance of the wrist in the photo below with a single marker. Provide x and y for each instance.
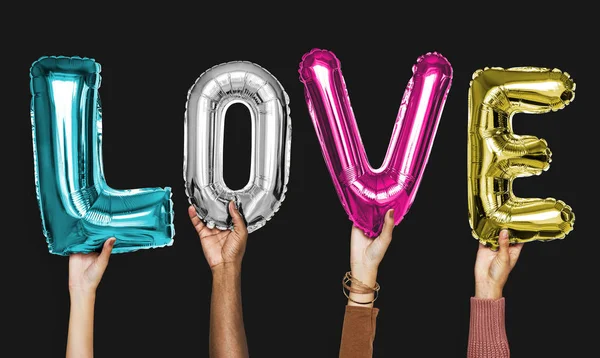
(488, 292)
(227, 269)
(361, 299)
(365, 274)
(83, 296)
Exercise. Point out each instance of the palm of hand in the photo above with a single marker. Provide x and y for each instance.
(496, 265)
(221, 246)
(83, 272)
(484, 267)
(365, 251)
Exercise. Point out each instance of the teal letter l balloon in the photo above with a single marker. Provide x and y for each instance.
(79, 211)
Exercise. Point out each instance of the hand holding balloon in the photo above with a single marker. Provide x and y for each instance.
(86, 270)
(366, 253)
(224, 250)
(222, 247)
(365, 256)
(493, 267)
(85, 273)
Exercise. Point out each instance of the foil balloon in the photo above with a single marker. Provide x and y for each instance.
(367, 193)
(497, 156)
(208, 101)
(79, 211)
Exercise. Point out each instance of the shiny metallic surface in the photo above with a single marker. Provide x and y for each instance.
(497, 156)
(79, 210)
(268, 104)
(365, 192)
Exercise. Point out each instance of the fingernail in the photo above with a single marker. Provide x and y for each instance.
(391, 214)
(112, 242)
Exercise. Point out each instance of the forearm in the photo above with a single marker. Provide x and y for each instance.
(227, 333)
(80, 340)
(487, 290)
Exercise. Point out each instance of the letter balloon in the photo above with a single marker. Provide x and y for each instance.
(79, 211)
(367, 193)
(208, 101)
(496, 156)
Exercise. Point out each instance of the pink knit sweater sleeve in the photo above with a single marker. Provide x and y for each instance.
(487, 332)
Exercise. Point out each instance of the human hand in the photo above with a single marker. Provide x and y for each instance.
(493, 267)
(366, 254)
(86, 270)
(222, 247)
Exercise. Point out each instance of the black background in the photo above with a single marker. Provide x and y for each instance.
(155, 303)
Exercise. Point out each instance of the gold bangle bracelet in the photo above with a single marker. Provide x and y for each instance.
(361, 288)
(361, 303)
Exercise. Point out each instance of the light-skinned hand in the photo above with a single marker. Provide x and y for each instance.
(86, 270)
(366, 253)
(365, 256)
(493, 267)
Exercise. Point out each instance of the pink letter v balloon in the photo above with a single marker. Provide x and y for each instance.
(367, 193)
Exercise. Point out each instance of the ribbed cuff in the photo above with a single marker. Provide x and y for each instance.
(487, 319)
(487, 331)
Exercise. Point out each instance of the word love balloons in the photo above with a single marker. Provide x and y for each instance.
(208, 100)
(496, 155)
(79, 210)
(367, 193)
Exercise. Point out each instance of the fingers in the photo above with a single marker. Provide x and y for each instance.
(481, 248)
(196, 221)
(503, 244)
(102, 260)
(388, 227)
(513, 252)
(239, 226)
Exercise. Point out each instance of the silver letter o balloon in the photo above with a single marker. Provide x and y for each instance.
(207, 103)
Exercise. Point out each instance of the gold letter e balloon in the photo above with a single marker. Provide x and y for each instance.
(497, 156)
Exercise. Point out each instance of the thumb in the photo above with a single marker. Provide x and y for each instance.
(102, 260)
(239, 225)
(385, 238)
(503, 244)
